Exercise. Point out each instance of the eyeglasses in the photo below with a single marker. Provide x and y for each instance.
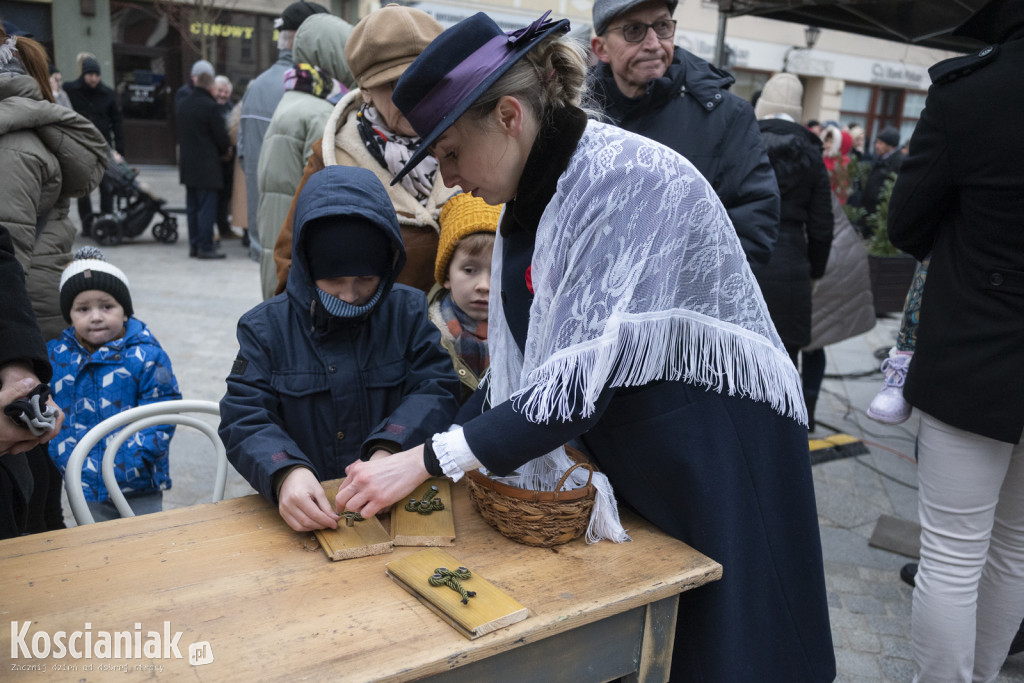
(635, 33)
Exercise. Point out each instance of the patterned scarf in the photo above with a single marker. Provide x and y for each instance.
(315, 81)
(392, 151)
(7, 56)
(470, 336)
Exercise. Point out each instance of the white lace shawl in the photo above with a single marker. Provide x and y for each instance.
(638, 276)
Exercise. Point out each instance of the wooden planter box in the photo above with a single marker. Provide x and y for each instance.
(890, 280)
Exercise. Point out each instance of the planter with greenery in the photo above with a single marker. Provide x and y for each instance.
(891, 270)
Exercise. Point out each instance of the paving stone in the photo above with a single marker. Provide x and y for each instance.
(857, 664)
(898, 670)
(862, 641)
(897, 646)
(888, 625)
(842, 618)
(864, 604)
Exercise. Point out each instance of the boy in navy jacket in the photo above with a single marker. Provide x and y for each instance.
(344, 364)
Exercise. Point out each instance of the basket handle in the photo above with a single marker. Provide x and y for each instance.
(590, 475)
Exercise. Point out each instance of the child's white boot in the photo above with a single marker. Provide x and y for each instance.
(889, 406)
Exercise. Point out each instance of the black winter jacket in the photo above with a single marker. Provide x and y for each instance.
(319, 391)
(100, 106)
(960, 198)
(881, 170)
(805, 229)
(20, 339)
(691, 110)
(202, 140)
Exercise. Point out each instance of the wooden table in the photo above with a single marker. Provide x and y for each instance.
(272, 606)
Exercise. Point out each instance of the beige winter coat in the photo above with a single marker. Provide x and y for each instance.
(48, 154)
(342, 145)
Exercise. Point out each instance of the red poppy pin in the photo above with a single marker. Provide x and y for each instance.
(529, 278)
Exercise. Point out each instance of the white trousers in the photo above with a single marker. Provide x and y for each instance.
(969, 598)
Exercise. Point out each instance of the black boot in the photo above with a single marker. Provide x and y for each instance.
(1018, 641)
(908, 572)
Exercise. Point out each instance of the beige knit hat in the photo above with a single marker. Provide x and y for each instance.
(782, 94)
(386, 41)
(461, 216)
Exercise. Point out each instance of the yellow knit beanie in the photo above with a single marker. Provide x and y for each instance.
(462, 215)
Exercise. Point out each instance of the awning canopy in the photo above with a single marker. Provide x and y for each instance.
(919, 22)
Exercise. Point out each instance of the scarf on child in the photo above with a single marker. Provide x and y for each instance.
(392, 151)
(638, 276)
(470, 336)
(315, 81)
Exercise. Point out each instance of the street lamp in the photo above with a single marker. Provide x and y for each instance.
(811, 35)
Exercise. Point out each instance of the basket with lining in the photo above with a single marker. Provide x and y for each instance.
(537, 518)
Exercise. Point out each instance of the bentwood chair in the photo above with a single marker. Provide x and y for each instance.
(134, 420)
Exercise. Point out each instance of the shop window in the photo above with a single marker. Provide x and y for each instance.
(875, 107)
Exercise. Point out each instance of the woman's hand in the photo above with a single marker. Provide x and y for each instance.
(302, 503)
(371, 486)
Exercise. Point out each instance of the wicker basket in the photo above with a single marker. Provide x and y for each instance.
(538, 518)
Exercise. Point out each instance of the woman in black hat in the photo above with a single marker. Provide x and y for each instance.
(623, 316)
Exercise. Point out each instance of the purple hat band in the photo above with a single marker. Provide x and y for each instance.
(469, 74)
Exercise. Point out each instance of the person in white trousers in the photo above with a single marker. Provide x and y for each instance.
(959, 198)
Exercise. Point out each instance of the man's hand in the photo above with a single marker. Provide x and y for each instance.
(371, 486)
(302, 503)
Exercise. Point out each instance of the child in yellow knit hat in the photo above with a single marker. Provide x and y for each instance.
(458, 302)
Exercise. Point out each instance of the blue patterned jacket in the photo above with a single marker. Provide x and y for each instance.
(127, 372)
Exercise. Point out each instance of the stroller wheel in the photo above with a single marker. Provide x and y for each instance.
(167, 231)
(107, 231)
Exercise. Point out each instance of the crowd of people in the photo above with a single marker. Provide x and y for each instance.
(469, 237)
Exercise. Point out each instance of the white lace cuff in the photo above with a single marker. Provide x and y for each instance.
(454, 454)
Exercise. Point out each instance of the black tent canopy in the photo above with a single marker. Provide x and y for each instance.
(919, 22)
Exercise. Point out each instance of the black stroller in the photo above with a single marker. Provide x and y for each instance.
(134, 208)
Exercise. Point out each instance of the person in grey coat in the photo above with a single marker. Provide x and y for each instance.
(258, 105)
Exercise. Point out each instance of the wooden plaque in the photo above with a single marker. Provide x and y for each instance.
(367, 537)
(488, 611)
(435, 529)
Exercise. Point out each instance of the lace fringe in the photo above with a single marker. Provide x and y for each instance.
(673, 345)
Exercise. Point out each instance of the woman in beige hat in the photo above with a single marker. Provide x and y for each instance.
(367, 130)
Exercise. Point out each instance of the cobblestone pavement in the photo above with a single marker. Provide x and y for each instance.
(192, 307)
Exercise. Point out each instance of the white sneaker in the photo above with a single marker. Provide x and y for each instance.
(889, 406)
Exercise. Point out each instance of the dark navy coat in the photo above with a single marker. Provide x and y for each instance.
(311, 389)
(725, 474)
(202, 141)
(691, 110)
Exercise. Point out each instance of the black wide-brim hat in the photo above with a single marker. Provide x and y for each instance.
(456, 69)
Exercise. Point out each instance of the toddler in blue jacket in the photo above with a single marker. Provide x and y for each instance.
(344, 364)
(106, 362)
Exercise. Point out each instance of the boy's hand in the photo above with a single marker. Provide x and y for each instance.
(373, 485)
(302, 503)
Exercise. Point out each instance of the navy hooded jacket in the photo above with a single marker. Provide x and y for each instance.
(316, 390)
(691, 110)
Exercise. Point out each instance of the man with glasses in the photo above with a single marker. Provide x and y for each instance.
(647, 85)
